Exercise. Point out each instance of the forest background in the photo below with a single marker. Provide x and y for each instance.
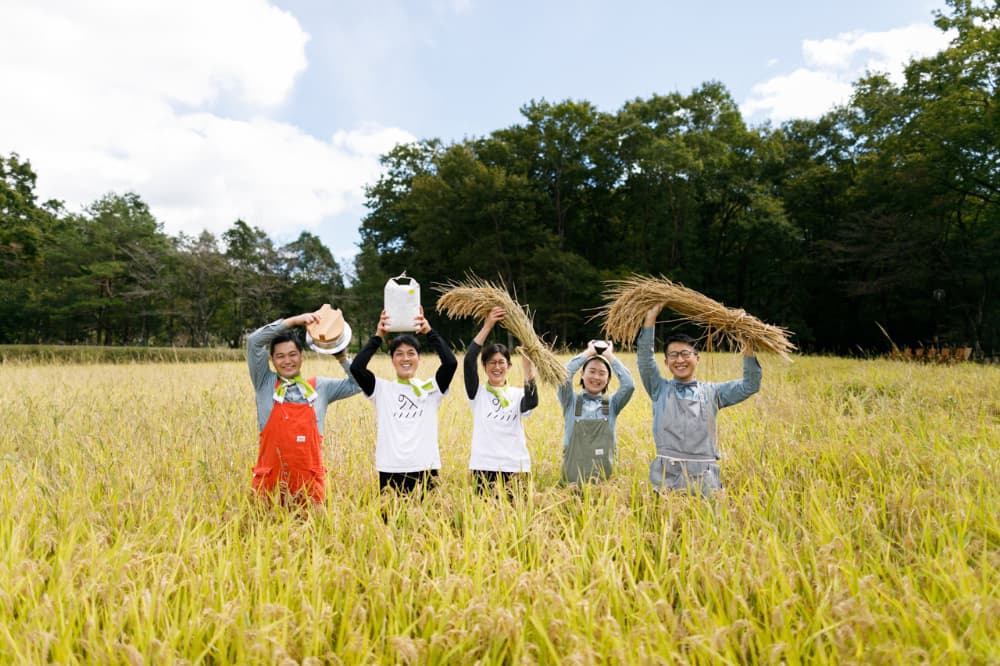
(881, 215)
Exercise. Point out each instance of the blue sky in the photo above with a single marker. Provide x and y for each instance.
(276, 111)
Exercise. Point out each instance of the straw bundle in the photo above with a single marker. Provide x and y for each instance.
(475, 298)
(628, 301)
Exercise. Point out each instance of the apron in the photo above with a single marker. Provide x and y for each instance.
(686, 454)
(290, 458)
(590, 454)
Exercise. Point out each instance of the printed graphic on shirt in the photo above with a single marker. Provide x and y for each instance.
(406, 409)
(497, 412)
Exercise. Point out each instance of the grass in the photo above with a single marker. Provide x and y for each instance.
(858, 525)
(45, 354)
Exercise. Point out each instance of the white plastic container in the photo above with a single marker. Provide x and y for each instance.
(402, 303)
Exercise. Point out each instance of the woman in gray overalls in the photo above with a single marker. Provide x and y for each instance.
(589, 443)
(685, 426)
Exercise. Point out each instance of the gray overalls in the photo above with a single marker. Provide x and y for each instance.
(686, 443)
(590, 454)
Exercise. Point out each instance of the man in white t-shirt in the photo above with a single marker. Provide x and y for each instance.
(406, 408)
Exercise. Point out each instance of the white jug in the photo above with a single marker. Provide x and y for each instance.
(402, 303)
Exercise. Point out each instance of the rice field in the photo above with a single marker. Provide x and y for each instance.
(859, 525)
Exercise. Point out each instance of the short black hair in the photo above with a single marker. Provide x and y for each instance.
(683, 338)
(495, 348)
(404, 339)
(285, 337)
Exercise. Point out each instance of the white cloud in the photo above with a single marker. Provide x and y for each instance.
(117, 95)
(802, 94)
(832, 65)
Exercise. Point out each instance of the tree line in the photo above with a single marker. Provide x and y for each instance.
(881, 215)
(110, 275)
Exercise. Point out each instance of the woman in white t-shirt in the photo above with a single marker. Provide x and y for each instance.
(499, 449)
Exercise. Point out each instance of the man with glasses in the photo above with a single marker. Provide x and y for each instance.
(685, 410)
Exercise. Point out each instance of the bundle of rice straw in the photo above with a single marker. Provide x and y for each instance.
(628, 301)
(475, 297)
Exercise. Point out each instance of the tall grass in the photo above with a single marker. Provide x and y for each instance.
(859, 525)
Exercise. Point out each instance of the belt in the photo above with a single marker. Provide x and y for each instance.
(677, 460)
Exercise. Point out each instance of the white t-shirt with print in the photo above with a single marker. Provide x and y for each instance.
(498, 443)
(407, 439)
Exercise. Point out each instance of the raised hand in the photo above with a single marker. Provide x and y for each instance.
(383, 325)
(651, 315)
(420, 322)
(496, 315)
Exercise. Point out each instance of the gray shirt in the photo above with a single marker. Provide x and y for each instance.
(264, 378)
(684, 413)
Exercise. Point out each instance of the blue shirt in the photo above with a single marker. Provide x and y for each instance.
(591, 402)
(670, 437)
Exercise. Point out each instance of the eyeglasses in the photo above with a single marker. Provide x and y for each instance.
(499, 363)
(682, 354)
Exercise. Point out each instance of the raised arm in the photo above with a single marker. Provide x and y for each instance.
(449, 364)
(530, 399)
(626, 385)
(565, 391)
(258, 343)
(257, 351)
(470, 369)
(359, 367)
(645, 358)
(738, 390)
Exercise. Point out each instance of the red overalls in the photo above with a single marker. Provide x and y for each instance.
(290, 454)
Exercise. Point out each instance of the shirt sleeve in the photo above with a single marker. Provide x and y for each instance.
(738, 390)
(449, 364)
(565, 390)
(470, 370)
(645, 359)
(359, 367)
(530, 399)
(258, 354)
(337, 389)
(625, 389)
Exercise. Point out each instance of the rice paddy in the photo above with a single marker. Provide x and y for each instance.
(859, 525)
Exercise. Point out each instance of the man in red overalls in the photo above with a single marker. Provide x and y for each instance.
(291, 412)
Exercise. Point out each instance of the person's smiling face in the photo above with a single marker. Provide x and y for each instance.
(287, 359)
(682, 361)
(405, 359)
(497, 368)
(595, 376)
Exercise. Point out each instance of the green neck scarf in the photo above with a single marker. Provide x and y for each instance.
(417, 385)
(500, 393)
(307, 390)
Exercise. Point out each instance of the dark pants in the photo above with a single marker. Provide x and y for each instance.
(487, 481)
(408, 481)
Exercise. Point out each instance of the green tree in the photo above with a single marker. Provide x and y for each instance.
(310, 274)
(255, 268)
(103, 278)
(203, 287)
(25, 227)
(923, 240)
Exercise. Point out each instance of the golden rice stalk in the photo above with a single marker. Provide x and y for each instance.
(628, 301)
(475, 297)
